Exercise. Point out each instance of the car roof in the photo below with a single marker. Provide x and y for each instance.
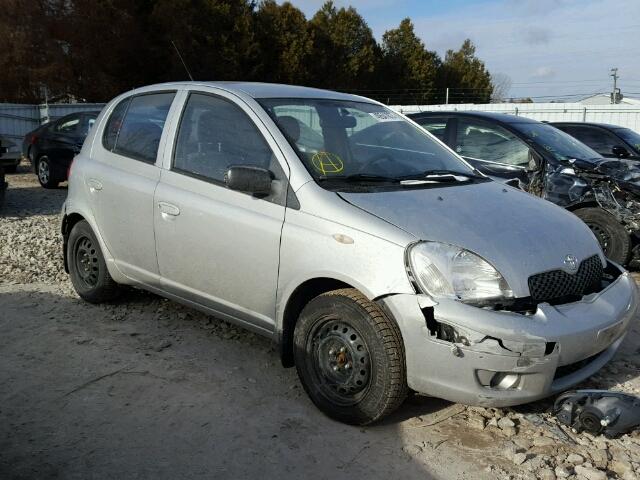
(266, 90)
(608, 126)
(498, 117)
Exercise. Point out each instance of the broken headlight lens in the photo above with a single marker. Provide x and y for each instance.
(443, 270)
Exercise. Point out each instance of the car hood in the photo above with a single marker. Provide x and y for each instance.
(518, 233)
(625, 173)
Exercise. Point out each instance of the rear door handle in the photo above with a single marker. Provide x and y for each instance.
(168, 209)
(94, 185)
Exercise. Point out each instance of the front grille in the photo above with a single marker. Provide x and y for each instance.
(574, 367)
(560, 285)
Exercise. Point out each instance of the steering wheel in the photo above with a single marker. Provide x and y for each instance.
(377, 160)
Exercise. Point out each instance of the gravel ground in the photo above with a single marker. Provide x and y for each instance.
(147, 388)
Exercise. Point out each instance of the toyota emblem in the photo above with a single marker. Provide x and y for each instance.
(571, 263)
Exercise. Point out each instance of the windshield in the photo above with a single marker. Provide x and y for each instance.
(559, 144)
(629, 136)
(338, 140)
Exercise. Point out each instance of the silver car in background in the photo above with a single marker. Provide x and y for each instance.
(375, 257)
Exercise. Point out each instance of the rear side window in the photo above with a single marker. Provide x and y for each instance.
(435, 126)
(138, 134)
(598, 139)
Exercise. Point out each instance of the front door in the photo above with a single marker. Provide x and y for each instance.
(218, 247)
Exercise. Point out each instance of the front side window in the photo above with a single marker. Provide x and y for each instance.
(560, 145)
(631, 137)
(598, 139)
(215, 134)
(342, 139)
(485, 141)
(135, 126)
(70, 125)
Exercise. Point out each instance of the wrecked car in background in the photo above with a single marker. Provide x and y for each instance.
(549, 163)
(375, 257)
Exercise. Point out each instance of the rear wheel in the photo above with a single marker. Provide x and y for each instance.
(87, 267)
(350, 357)
(613, 238)
(45, 173)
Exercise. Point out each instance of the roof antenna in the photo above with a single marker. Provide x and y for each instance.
(182, 60)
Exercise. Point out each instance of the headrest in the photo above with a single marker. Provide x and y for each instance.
(291, 127)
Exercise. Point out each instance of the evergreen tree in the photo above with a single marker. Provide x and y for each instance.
(285, 43)
(466, 76)
(345, 53)
(408, 65)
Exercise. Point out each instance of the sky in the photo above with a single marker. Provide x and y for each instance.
(548, 48)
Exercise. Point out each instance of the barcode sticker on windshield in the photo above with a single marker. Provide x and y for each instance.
(385, 116)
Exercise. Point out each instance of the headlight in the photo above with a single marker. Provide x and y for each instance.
(443, 270)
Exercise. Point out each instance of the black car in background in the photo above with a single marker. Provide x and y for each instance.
(545, 161)
(3, 183)
(52, 146)
(609, 141)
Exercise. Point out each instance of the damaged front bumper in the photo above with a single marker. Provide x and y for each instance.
(502, 358)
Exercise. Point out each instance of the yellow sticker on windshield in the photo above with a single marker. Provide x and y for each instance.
(327, 162)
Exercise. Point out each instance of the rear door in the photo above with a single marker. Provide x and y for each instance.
(64, 140)
(218, 247)
(121, 184)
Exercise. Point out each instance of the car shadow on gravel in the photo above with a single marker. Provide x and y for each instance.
(27, 201)
(144, 388)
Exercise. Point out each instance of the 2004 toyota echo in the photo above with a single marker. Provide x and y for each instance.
(375, 256)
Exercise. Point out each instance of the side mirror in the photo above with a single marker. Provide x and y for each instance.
(249, 179)
(620, 152)
(535, 161)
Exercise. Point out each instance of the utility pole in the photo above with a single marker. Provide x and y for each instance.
(614, 93)
(446, 100)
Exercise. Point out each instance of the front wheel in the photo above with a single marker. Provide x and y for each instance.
(87, 268)
(613, 238)
(45, 173)
(350, 357)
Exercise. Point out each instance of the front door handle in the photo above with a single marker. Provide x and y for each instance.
(168, 209)
(94, 185)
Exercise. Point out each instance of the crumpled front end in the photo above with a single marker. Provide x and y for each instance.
(488, 357)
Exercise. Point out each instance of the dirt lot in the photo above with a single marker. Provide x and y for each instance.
(147, 388)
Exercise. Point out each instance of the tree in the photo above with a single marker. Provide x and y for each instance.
(501, 84)
(216, 39)
(465, 75)
(285, 43)
(345, 52)
(408, 65)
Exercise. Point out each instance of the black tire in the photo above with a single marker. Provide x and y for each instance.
(613, 238)
(350, 357)
(87, 267)
(11, 169)
(44, 171)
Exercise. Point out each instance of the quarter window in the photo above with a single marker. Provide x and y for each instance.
(215, 134)
(484, 141)
(135, 126)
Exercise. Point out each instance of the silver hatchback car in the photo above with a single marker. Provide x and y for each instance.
(375, 257)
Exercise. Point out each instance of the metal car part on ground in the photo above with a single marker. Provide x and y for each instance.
(599, 411)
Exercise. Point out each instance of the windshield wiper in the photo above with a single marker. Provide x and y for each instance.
(361, 177)
(442, 176)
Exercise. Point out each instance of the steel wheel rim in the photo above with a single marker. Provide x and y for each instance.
(602, 235)
(340, 361)
(43, 170)
(87, 262)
